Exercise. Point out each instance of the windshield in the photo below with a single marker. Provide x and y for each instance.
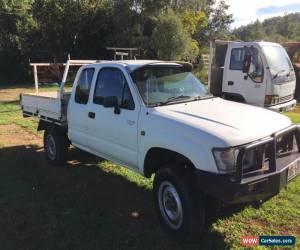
(277, 59)
(165, 84)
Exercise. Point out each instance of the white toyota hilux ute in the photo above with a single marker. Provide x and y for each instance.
(156, 117)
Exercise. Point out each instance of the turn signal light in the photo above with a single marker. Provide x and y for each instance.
(271, 99)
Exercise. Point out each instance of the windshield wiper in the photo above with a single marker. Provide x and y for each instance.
(276, 75)
(174, 98)
(206, 96)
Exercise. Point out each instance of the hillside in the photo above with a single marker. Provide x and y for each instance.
(277, 29)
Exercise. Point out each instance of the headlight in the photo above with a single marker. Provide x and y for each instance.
(226, 159)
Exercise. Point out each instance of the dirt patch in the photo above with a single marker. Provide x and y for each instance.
(11, 94)
(8, 93)
(13, 135)
(297, 109)
(291, 229)
(258, 222)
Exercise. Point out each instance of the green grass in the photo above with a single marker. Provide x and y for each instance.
(89, 204)
(278, 216)
(10, 113)
(294, 116)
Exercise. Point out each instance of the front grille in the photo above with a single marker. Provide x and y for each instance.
(285, 98)
(286, 144)
(269, 155)
(257, 159)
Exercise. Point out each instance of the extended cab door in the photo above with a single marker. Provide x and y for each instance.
(113, 134)
(77, 109)
(250, 87)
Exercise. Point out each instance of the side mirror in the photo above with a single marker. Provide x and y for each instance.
(112, 102)
(246, 63)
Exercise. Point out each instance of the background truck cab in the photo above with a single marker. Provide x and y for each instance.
(257, 73)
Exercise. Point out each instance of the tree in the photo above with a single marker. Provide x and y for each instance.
(15, 22)
(169, 38)
(48, 30)
(251, 32)
(277, 29)
(218, 21)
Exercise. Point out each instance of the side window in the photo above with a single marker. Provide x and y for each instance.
(112, 82)
(237, 58)
(84, 85)
(256, 70)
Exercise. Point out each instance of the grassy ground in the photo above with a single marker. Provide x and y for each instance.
(94, 204)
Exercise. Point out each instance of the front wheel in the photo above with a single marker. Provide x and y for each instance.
(175, 205)
(55, 146)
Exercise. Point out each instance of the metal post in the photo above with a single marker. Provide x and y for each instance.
(64, 79)
(36, 84)
(210, 63)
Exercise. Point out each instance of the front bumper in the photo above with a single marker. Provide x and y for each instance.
(283, 107)
(240, 187)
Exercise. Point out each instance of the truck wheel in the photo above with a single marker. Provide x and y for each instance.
(55, 146)
(175, 204)
(224, 96)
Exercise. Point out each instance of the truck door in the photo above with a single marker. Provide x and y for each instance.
(240, 86)
(77, 109)
(113, 134)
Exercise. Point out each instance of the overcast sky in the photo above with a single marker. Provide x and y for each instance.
(245, 12)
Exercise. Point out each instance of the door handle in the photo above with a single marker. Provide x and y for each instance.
(92, 115)
(130, 122)
(230, 83)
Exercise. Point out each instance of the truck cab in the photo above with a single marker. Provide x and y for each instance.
(258, 73)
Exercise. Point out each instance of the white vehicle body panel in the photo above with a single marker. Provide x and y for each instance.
(253, 93)
(113, 135)
(194, 128)
(43, 104)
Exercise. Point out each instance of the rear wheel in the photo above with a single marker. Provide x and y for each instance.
(55, 146)
(175, 204)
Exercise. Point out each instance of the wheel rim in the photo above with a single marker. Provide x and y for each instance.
(170, 205)
(51, 147)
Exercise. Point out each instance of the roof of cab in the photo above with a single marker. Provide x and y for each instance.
(135, 64)
(249, 43)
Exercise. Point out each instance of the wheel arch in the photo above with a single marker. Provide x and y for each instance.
(43, 125)
(156, 157)
(234, 97)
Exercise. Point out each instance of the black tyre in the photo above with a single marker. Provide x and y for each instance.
(224, 96)
(55, 146)
(176, 204)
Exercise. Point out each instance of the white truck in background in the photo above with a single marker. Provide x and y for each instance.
(258, 73)
(156, 118)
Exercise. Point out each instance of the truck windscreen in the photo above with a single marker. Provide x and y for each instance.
(160, 84)
(278, 60)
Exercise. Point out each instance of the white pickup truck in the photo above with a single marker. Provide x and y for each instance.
(156, 117)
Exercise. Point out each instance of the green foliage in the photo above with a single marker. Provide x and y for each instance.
(218, 22)
(193, 20)
(276, 29)
(49, 30)
(15, 22)
(169, 38)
